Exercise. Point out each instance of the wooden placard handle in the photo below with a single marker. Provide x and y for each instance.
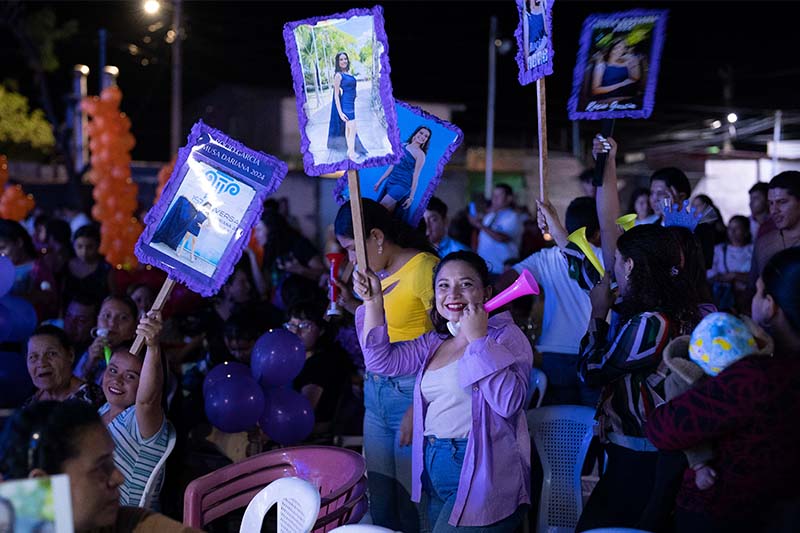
(158, 305)
(357, 211)
(542, 123)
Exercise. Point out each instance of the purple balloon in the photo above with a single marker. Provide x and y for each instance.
(278, 356)
(234, 402)
(222, 370)
(7, 275)
(15, 382)
(288, 418)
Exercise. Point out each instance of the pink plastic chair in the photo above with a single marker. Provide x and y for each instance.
(338, 474)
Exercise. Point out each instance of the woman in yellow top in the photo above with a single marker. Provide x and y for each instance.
(404, 261)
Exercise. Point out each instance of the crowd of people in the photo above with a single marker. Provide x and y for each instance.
(685, 340)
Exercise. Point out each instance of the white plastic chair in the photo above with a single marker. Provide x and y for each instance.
(156, 475)
(298, 506)
(537, 383)
(361, 528)
(561, 434)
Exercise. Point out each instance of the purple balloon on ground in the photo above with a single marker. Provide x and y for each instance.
(278, 357)
(7, 275)
(222, 370)
(15, 382)
(234, 403)
(288, 418)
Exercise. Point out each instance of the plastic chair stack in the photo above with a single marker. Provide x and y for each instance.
(561, 434)
(298, 506)
(337, 474)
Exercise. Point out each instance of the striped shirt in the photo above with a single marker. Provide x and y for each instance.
(626, 361)
(135, 456)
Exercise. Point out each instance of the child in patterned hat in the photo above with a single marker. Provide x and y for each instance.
(718, 341)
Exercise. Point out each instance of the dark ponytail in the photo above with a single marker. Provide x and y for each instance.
(378, 217)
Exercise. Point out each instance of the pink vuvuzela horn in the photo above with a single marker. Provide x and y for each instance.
(523, 286)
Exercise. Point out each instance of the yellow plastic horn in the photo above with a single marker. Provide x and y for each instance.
(626, 222)
(578, 237)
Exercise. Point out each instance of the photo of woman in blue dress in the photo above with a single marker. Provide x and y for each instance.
(342, 130)
(193, 231)
(536, 30)
(617, 73)
(182, 225)
(402, 178)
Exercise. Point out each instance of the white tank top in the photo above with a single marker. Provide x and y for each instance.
(449, 414)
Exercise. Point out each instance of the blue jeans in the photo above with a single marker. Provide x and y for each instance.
(564, 387)
(443, 461)
(386, 400)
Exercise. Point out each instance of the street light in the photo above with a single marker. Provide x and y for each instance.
(732, 118)
(174, 39)
(151, 7)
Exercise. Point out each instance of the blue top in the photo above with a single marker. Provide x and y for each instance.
(197, 223)
(612, 75)
(448, 246)
(348, 96)
(535, 31)
(403, 171)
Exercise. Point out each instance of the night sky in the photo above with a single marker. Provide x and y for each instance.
(438, 52)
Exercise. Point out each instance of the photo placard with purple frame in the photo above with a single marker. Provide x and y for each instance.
(198, 228)
(340, 74)
(405, 187)
(534, 42)
(617, 68)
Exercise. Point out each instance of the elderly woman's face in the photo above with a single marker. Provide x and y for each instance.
(49, 363)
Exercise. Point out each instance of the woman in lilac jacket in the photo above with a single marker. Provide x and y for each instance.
(470, 448)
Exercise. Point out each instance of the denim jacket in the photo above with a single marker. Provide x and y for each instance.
(495, 477)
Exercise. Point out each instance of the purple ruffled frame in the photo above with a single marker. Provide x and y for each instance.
(659, 32)
(341, 184)
(527, 76)
(194, 280)
(385, 89)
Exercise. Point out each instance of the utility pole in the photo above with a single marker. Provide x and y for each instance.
(175, 128)
(487, 189)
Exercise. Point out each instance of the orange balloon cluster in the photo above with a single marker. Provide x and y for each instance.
(14, 203)
(110, 143)
(163, 177)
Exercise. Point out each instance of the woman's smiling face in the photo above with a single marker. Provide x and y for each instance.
(457, 284)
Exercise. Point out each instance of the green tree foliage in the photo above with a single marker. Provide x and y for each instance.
(317, 50)
(23, 131)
